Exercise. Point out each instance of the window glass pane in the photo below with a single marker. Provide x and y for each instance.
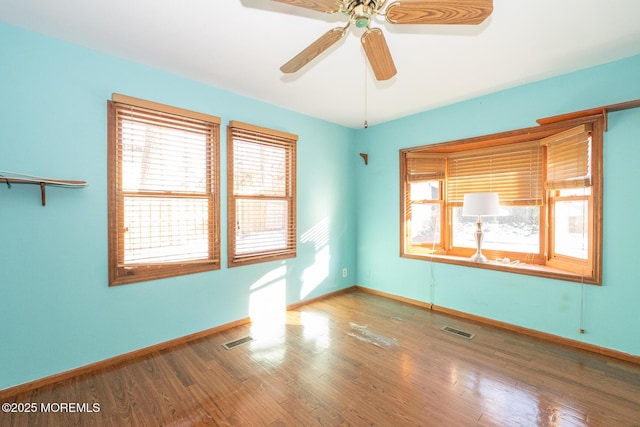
(425, 190)
(165, 229)
(259, 169)
(516, 230)
(425, 223)
(261, 225)
(571, 236)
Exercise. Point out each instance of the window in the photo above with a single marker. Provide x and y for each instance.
(569, 185)
(425, 174)
(549, 191)
(163, 191)
(261, 194)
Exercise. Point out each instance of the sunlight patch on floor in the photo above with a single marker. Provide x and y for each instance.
(267, 304)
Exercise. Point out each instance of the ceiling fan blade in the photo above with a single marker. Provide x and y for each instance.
(327, 6)
(461, 12)
(313, 50)
(377, 51)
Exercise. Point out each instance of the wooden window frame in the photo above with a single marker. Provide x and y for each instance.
(564, 262)
(121, 273)
(260, 135)
(430, 168)
(434, 247)
(543, 264)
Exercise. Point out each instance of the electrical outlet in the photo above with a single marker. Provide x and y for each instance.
(344, 272)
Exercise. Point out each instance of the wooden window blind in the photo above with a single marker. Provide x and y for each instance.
(261, 194)
(163, 191)
(569, 158)
(425, 167)
(513, 171)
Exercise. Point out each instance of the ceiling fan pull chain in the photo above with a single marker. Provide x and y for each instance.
(366, 124)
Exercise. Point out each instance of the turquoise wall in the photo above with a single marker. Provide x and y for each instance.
(56, 308)
(551, 306)
(58, 312)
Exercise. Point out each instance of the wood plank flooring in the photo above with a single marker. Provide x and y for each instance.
(353, 359)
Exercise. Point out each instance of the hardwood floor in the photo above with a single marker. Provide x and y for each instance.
(353, 359)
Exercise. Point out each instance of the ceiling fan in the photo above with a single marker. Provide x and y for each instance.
(360, 12)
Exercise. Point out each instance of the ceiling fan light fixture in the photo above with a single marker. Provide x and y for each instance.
(361, 16)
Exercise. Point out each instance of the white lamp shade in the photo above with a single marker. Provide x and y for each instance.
(481, 204)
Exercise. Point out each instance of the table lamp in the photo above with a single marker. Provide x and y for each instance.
(480, 204)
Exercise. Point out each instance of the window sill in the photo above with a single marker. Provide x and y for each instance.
(518, 268)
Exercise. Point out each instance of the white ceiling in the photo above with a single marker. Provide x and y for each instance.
(239, 45)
